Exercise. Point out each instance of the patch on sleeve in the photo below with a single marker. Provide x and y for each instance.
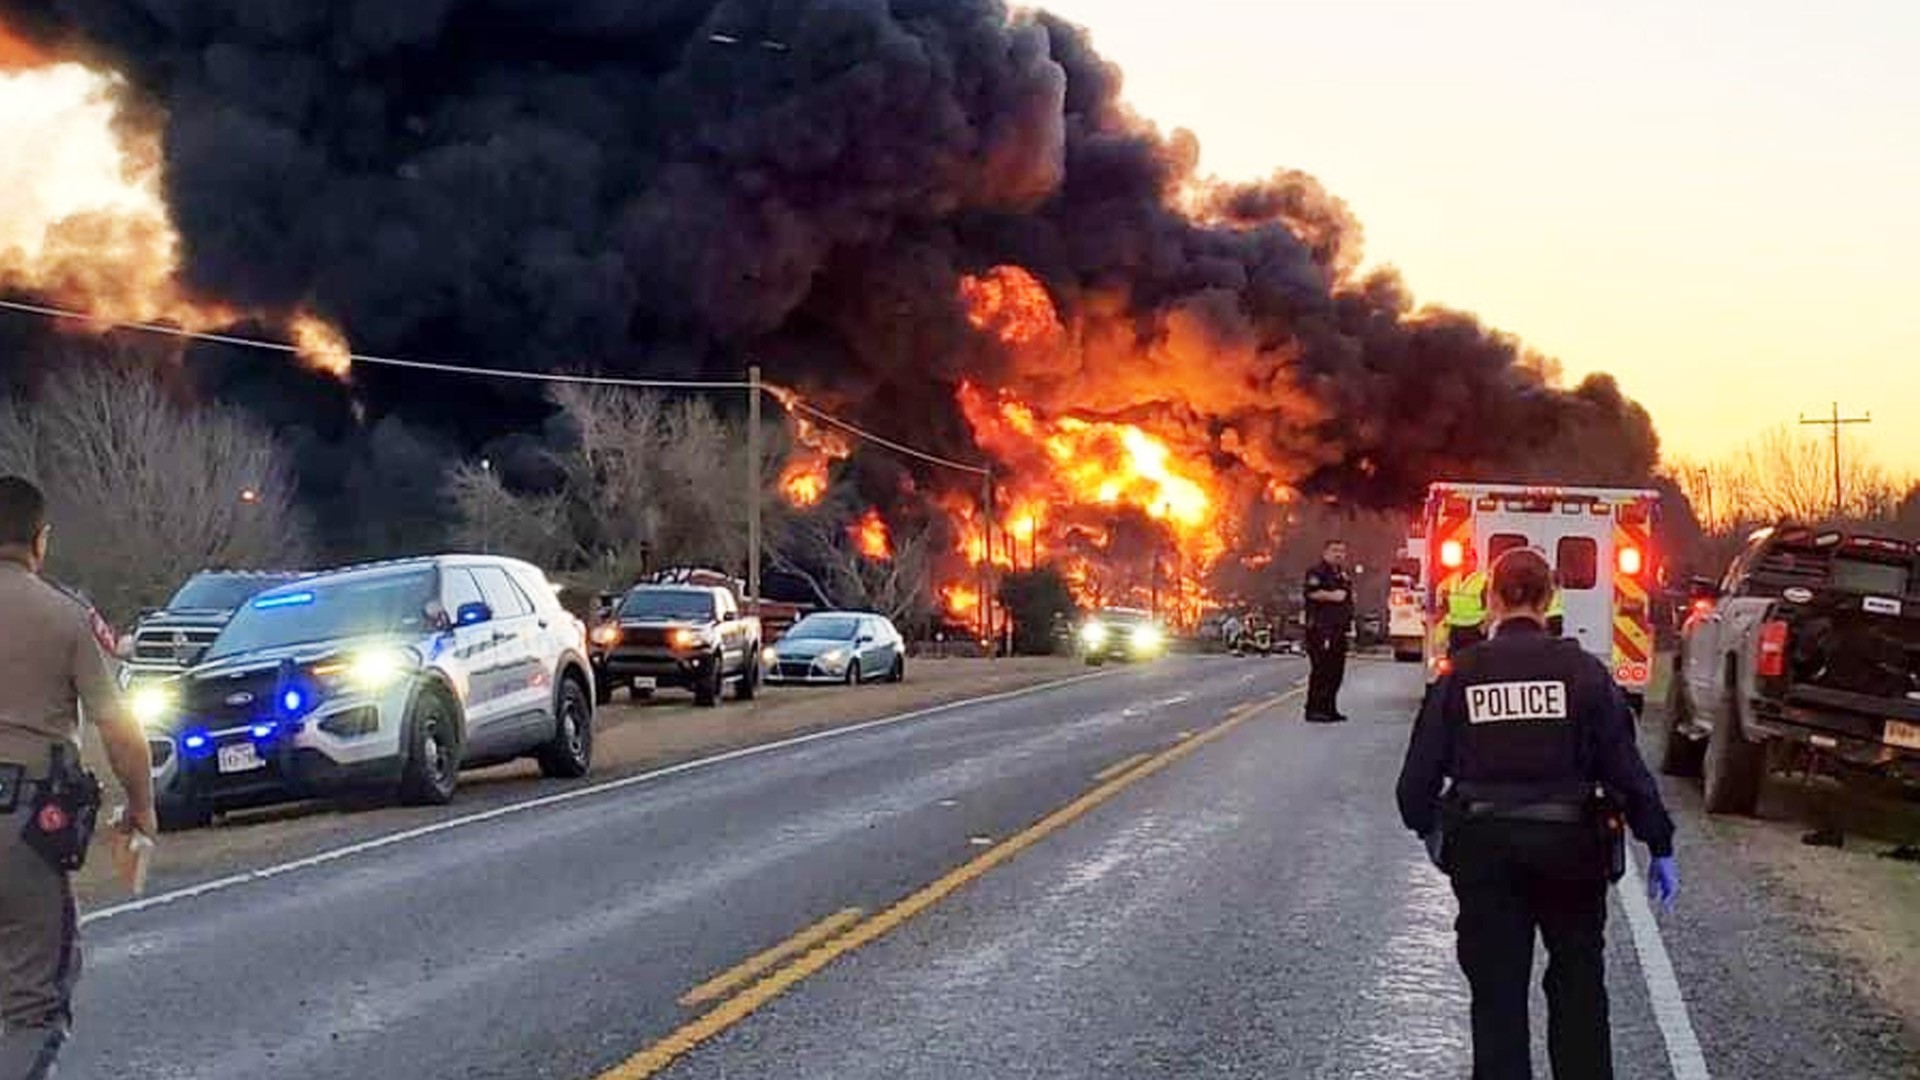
(102, 633)
(1490, 703)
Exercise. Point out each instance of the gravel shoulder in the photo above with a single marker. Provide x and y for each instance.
(631, 738)
(1863, 908)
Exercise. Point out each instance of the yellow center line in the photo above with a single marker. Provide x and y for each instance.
(746, 971)
(657, 1057)
(1119, 767)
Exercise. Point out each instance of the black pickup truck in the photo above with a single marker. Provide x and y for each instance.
(690, 636)
(1810, 643)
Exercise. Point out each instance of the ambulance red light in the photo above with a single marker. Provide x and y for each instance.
(1632, 561)
(1452, 555)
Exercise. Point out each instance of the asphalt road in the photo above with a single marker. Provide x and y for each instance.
(1239, 900)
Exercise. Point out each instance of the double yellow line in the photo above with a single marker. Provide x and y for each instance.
(762, 978)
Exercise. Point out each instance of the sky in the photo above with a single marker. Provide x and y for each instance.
(1717, 201)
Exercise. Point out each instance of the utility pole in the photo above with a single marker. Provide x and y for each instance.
(753, 489)
(1705, 475)
(1835, 422)
(986, 557)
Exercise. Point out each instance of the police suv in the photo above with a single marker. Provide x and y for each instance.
(392, 676)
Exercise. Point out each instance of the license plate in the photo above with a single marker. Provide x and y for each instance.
(240, 757)
(1904, 735)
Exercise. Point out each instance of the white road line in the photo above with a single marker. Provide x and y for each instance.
(350, 850)
(1663, 989)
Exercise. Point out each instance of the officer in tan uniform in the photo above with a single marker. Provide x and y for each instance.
(51, 668)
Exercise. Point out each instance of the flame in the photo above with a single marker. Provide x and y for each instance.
(805, 479)
(962, 601)
(872, 536)
(322, 345)
(1010, 303)
(17, 53)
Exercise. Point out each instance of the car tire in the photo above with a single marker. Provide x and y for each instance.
(1682, 757)
(707, 695)
(1734, 768)
(602, 690)
(569, 756)
(431, 770)
(853, 674)
(749, 685)
(181, 815)
(899, 672)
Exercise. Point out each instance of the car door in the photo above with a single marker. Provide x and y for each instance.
(476, 655)
(522, 689)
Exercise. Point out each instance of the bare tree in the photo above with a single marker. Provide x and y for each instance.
(1786, 475)
(145, 490)
(649, 482)
(821, 550)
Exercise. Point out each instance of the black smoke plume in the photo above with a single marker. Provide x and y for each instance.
(667, 187)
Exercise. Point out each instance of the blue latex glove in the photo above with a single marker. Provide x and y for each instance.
(1663, 882)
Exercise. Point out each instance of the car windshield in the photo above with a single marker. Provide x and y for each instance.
(826, 628)
(359, 605)
(685, 604)
(220, 592)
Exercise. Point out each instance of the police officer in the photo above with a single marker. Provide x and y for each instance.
(51, 667)
(1329, 596)
(1530, 729)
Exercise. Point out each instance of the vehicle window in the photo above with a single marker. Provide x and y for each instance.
(682, 604)
(1577, 562)
(220, 592)
(357, 605)
(1873, 578)
(457, 588)
(1500, 543)
(536, 587)
(826, 628)
(502, 594)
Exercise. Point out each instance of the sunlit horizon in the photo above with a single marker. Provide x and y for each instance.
(1713, 201)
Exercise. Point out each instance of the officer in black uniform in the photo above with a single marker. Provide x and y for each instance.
(1539, 746)
(1329, 596)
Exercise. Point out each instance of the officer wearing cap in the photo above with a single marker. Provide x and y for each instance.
(1538, 746)
(51, 671)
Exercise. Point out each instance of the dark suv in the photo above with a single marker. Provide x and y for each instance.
(172, 639)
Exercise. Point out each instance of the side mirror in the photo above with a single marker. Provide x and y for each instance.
(864, 639)
(473, 613)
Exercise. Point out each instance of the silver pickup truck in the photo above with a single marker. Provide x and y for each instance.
(1809, 644)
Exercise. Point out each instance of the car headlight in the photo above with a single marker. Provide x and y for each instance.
(606, 636)
(834, 658)
(370, 669)
(152, 704)
(1093, 633)
(1147, 637)
(686, 639)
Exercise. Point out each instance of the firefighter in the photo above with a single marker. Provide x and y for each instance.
(51, 666)
(1539, 747)
(1466, 604)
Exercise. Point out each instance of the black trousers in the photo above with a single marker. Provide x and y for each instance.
(1513, 880)
(1327, 652)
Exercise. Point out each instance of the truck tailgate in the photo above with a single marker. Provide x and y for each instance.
(1856, 654)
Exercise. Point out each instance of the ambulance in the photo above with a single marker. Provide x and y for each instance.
(1599, 540)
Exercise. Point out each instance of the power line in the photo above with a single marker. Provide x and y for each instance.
(794, 404)
(377, 361)
(827, 418)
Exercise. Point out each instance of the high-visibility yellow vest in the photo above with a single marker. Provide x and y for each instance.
(1467, 600)
(1557, 609)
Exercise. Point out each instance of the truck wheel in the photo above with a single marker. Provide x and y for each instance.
(432, 767)
(899, 672)
(180, 815)
(749, 685)
(1683, 756)
(603, 690)
(707, 694)
(570, 755)
(1734, 767)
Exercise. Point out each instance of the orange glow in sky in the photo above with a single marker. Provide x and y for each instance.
(1712, 200)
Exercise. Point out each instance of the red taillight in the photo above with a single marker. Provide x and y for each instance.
(1772, 662)
(1452, 554)
(1632, 561)
(1702, 606)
